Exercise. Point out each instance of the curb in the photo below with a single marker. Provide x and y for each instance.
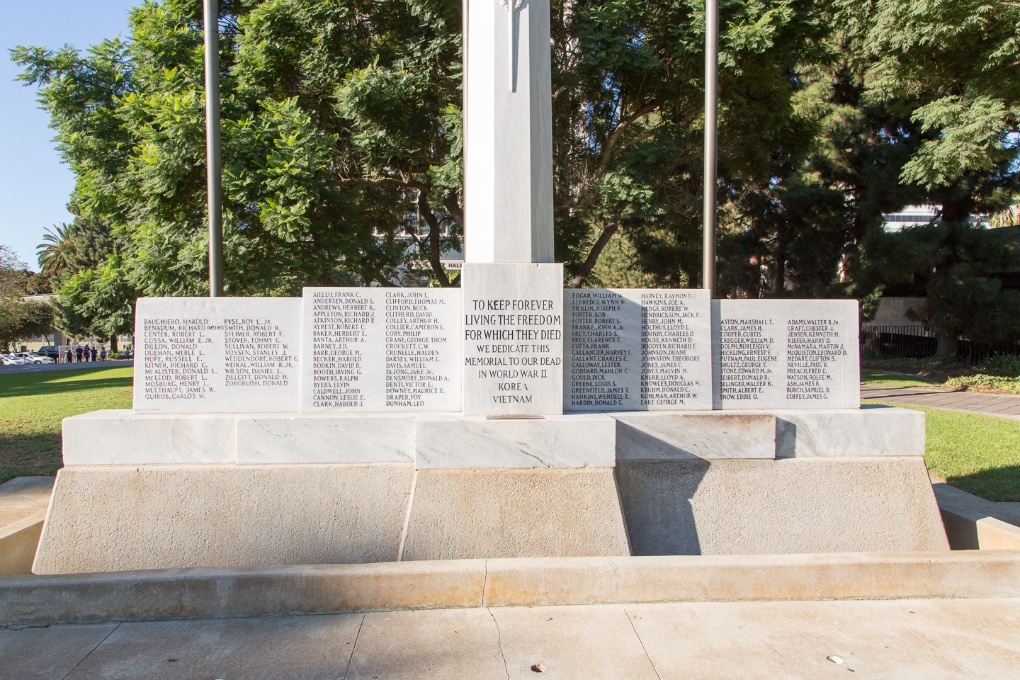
(328, 589)
(18, 542)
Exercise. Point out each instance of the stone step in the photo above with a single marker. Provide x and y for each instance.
(327, 589)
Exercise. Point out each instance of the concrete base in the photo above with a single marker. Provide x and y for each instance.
(120, 518)
(293, 489)
(750, 507)
(461, 514)
(107, 518)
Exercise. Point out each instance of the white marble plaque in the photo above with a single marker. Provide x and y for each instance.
(217, 355)
(381, 349)
(513, 339)
(799, 354)
(637, 350)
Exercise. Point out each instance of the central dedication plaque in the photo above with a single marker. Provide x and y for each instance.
(513, 339)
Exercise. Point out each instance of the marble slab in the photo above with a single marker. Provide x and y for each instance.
(443, 441)
(344, 438)
(637, 350)
(122, 437)
(797, 354)
(869, 431)
(381, 349)
(707, 435)
(513, 339)
(217, 355)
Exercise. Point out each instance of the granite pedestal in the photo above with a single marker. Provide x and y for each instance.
(610, 484)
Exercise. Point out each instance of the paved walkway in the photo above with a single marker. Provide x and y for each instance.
(1002, 405)
(928, 639)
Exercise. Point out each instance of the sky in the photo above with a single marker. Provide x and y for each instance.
(34, 184)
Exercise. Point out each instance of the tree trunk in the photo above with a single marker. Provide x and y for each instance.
(596, 250)
(947, 347)
(435, 249)
(113, 343)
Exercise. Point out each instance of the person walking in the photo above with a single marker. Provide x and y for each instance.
(94, 353)
(77, 354)
(102, 354)
(68, 357)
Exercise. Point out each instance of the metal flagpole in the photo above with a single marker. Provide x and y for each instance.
(212, 147)
(711, 124)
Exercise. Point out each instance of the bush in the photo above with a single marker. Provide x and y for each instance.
(1007, 365)
(985, 382)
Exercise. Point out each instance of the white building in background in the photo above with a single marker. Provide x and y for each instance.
(916, 215)
(911, 216)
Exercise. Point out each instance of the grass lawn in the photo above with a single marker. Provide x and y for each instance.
(893, 379)
(977, 453)
(33, 404)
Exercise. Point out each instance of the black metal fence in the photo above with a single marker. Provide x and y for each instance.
(916, 342)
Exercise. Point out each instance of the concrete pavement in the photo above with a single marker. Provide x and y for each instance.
(871, 639)
(1001, 405)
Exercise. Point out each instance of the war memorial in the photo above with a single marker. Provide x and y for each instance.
(509, 417)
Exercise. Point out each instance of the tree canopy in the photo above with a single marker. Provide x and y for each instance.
(21, 318)
(342, 143)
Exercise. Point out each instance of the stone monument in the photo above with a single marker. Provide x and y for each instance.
(507, 418)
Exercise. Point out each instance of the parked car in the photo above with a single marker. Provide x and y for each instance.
(49, 351)
(33, 358)
(12, 360)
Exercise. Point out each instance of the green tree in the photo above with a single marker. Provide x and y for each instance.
(98, 302)
(68, 249)
(20, 318)
(340, 140)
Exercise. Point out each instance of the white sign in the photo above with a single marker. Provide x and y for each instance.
(217, 355)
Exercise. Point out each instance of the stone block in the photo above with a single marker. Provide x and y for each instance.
(466, 514)
(121, 437)
(346, 438)
(513, 339)
(126, 518)
(217, 355)
(869, 431)
(753, 507)
(569, 441)
(707, 435)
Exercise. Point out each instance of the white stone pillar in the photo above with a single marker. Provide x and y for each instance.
(508, 131)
